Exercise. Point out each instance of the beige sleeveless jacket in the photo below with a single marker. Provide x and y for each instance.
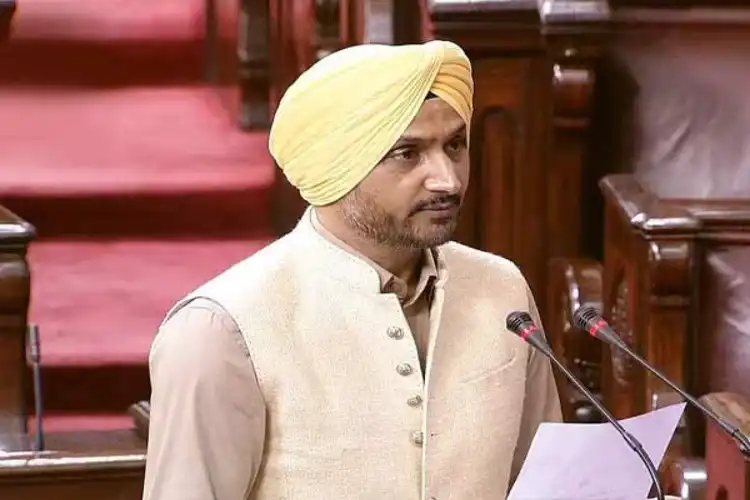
(350, 416)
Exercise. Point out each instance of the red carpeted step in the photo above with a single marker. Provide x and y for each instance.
(98, 305)
(131, 162)
(105, 42)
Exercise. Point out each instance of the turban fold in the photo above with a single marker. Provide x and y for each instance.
(338, 120)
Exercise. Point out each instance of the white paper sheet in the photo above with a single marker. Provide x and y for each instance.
(592, 461)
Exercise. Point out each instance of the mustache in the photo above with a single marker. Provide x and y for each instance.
(439, 201)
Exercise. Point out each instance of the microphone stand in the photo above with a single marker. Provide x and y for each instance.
(585, 320)
(36, 370)
(526, 331)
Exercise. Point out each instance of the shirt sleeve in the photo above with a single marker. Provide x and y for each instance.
(207, 423)
(541, 402)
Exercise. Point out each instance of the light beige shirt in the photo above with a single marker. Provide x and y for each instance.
(203, 334)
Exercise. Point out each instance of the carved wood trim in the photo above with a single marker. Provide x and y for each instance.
(621, 380)
(651, 244)
(644, 211)
(670, 277)
(573, 283)
(572, 88)
(619, 312)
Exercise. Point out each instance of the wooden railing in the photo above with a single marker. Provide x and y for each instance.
(15, 291)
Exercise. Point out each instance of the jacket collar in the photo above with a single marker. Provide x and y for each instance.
(346, 267)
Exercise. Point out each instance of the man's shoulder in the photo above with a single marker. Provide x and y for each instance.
(269, 265)
(468, 260)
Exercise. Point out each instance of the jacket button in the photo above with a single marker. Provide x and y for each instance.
(404, 369)
(395, 332)
(415, 401)
(417, 438)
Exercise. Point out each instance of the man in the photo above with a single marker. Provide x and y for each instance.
(363, 355)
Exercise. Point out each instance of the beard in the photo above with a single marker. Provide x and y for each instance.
(369, 220)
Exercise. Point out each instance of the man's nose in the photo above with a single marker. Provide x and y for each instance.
(442, 176)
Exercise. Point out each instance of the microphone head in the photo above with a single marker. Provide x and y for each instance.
(518, 321)
(585, 317)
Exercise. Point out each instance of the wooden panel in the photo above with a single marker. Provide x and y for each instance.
(293, 32)
(501, 215)
(663, 297)
(15, 288)
(239, 58)
(497, 152)
(531, 178)
(106, 465)
(573, 283)
(7, 9)
(254, 55)
(649, 278)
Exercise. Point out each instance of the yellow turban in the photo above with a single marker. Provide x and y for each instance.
(341, 117)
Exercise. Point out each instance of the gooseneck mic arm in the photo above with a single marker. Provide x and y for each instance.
(589, 320)
(36, 370)
(522, 325)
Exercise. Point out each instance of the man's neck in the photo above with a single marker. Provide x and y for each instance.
(402, 263)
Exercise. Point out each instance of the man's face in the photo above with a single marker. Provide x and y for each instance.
(412, 198)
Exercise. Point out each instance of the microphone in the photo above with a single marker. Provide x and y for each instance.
(522, 325)
(589, 320)
(36, 370)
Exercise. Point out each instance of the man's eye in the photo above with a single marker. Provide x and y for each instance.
(457, 144)
(405, 154)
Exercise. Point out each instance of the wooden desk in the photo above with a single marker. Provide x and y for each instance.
(7, 9)
(97, 465)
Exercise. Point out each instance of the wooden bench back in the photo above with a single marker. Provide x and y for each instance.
(662, 293)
